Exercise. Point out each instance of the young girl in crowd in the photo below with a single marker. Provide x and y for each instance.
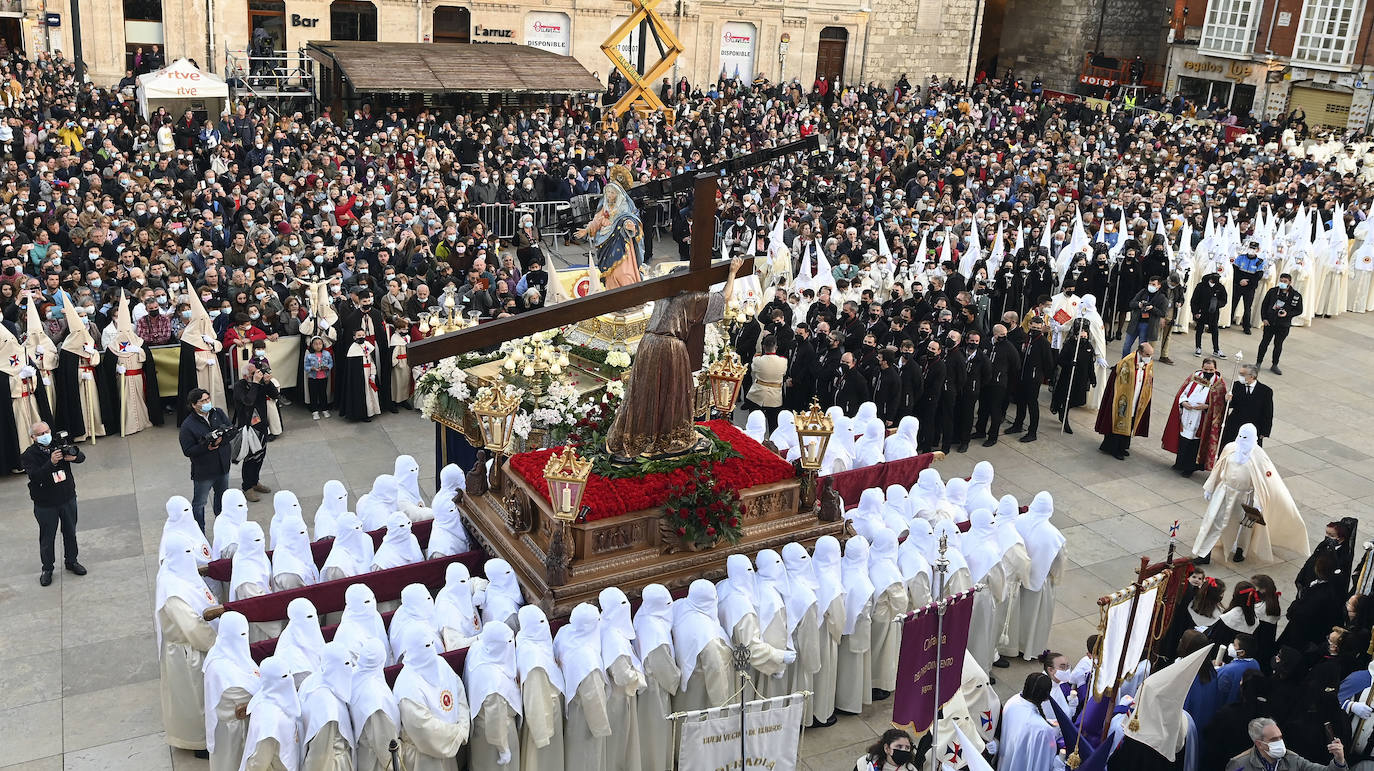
(318, 364)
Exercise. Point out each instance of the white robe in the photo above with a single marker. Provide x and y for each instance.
(712, 680)
(541, 734)
(186, 638)
(1037, 612)
(429, 743)
(586, 724)
(662, 677)
(825, 681)
(854, 665)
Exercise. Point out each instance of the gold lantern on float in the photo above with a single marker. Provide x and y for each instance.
(566, 475)
(726, 374)
(814, 429)
(495, 411)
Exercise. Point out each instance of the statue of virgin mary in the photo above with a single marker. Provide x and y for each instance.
(617, 234)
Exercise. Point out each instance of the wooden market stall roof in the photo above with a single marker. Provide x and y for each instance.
(455, 67)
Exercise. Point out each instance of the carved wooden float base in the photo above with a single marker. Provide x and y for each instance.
(627, 551)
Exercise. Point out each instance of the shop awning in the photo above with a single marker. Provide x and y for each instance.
(455, 67)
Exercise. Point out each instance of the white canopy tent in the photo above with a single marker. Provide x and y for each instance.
(181, 86)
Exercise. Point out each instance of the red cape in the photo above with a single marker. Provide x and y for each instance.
(1210, 430)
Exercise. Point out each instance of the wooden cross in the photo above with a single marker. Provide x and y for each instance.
(641, 84)
(701, 276)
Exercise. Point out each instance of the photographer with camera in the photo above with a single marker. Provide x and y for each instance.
(206, 435)
(250, 395)
(48, 464)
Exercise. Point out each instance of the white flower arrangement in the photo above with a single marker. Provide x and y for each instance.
(615, 388)
(618, 359)
(522, 424)
(715, 344)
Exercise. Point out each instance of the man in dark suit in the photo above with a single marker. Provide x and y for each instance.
(1004, 367)
(803, 372)
(909, 371)
(974, 363)
(1280, 306)
(887, 388)
(932, 391)
(1035, 366)
(848, 387)
(1250, 401)
(955, 373)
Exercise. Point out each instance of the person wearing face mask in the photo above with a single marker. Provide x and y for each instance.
(1249, 401)
(1280, 306)
(1229, 676)
(893, 751)
(53, 492)
(1209, 298)
(1270, 753)
(363, 381)
(209, 455)
(1195, 418)
(1125, 408)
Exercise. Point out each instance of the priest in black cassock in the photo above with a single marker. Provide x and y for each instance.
(365, 377)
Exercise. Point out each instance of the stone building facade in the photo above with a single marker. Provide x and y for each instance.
(870, 40)
(1050, 38)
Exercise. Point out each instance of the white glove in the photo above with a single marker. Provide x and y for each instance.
(778, 675)
(88, 348)
(47, 381)
(1073, 701)
(208, 338)
(1206, 495)
(324, 324)
(503, 757)
(1101, 362)
(789, 656)
(1059, 763)
(26, 372)
(1360, 710)
(992, 746)
(119, 368)
(87, 376)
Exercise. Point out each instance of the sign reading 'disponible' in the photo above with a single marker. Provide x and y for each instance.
(773, 733)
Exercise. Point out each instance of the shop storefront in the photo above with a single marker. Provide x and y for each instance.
(1214, 83)
(1326, 107)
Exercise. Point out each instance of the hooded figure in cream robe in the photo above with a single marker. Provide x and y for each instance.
(42, 354)
(1045, 547)
(448, 536)
(231, 679)
(489, 675)
(333, 504)
(979, 547)
(798, 584)
(327, 741)
(293, 562)
(890, 601)
(455, 607)
(127, 348)
(503, 596)
(541, 693)
(352, 551)
(746, 614)
(702, 649)
(409, 499)
(200, 348)
(854, 673)
(830, 596)
(251, 576)
(1243, 474)
(183, 639)
(586, 724)
(26, 394)
(76, 379)
(373, 709)
(914, 558)
(360, 622)
(1015, 566)
(433, 704)
(274, 722)
(653, 624)
(624, 671)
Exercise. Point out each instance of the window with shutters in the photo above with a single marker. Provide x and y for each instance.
(1327, 32)
(1229, 29)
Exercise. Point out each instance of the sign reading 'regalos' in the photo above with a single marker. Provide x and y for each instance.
(737, 42)
(550, 31)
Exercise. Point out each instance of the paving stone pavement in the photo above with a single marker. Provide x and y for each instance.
(78, 664)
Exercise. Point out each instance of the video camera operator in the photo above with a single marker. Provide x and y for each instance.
(206, 436)
(48, 463)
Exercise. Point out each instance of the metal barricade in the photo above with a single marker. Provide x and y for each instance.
(497, 218)
(549, 218)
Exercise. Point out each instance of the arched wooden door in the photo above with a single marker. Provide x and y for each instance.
(830, 53)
